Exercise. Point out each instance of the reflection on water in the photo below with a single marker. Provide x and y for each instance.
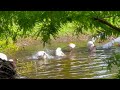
(79, 65)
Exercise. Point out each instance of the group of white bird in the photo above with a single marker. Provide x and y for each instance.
(59, 53)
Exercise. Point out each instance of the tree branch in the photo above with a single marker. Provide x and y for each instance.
(107, 23)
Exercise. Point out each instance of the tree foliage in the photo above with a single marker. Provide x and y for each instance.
(15, 24)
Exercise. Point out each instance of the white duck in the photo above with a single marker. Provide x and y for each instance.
(111, 43)
(4, 57)
(59, 52)
(72, 46)
(90, 44)
(41, 55)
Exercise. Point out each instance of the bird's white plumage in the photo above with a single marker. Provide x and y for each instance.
(41, 55)
(90, 45)
(3, 56)
(72, 45)
(111, 43)
(11, 60)
(59, 52)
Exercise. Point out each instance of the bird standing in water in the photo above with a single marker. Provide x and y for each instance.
(59, 52)
(91, 46)
(72, 46)
(40, 55)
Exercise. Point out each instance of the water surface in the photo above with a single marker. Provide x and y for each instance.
(79, 65)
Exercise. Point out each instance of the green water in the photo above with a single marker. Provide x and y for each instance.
(80, 65)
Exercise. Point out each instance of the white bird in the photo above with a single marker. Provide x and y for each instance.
(41, 55)
(72, 45)
(107, 45)
(111, 43)
(59, 52)
(90, 44)
(3, 57)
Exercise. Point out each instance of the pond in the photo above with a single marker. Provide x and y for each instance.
(79, 65)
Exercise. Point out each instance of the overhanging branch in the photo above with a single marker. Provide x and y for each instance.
(107, 23)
